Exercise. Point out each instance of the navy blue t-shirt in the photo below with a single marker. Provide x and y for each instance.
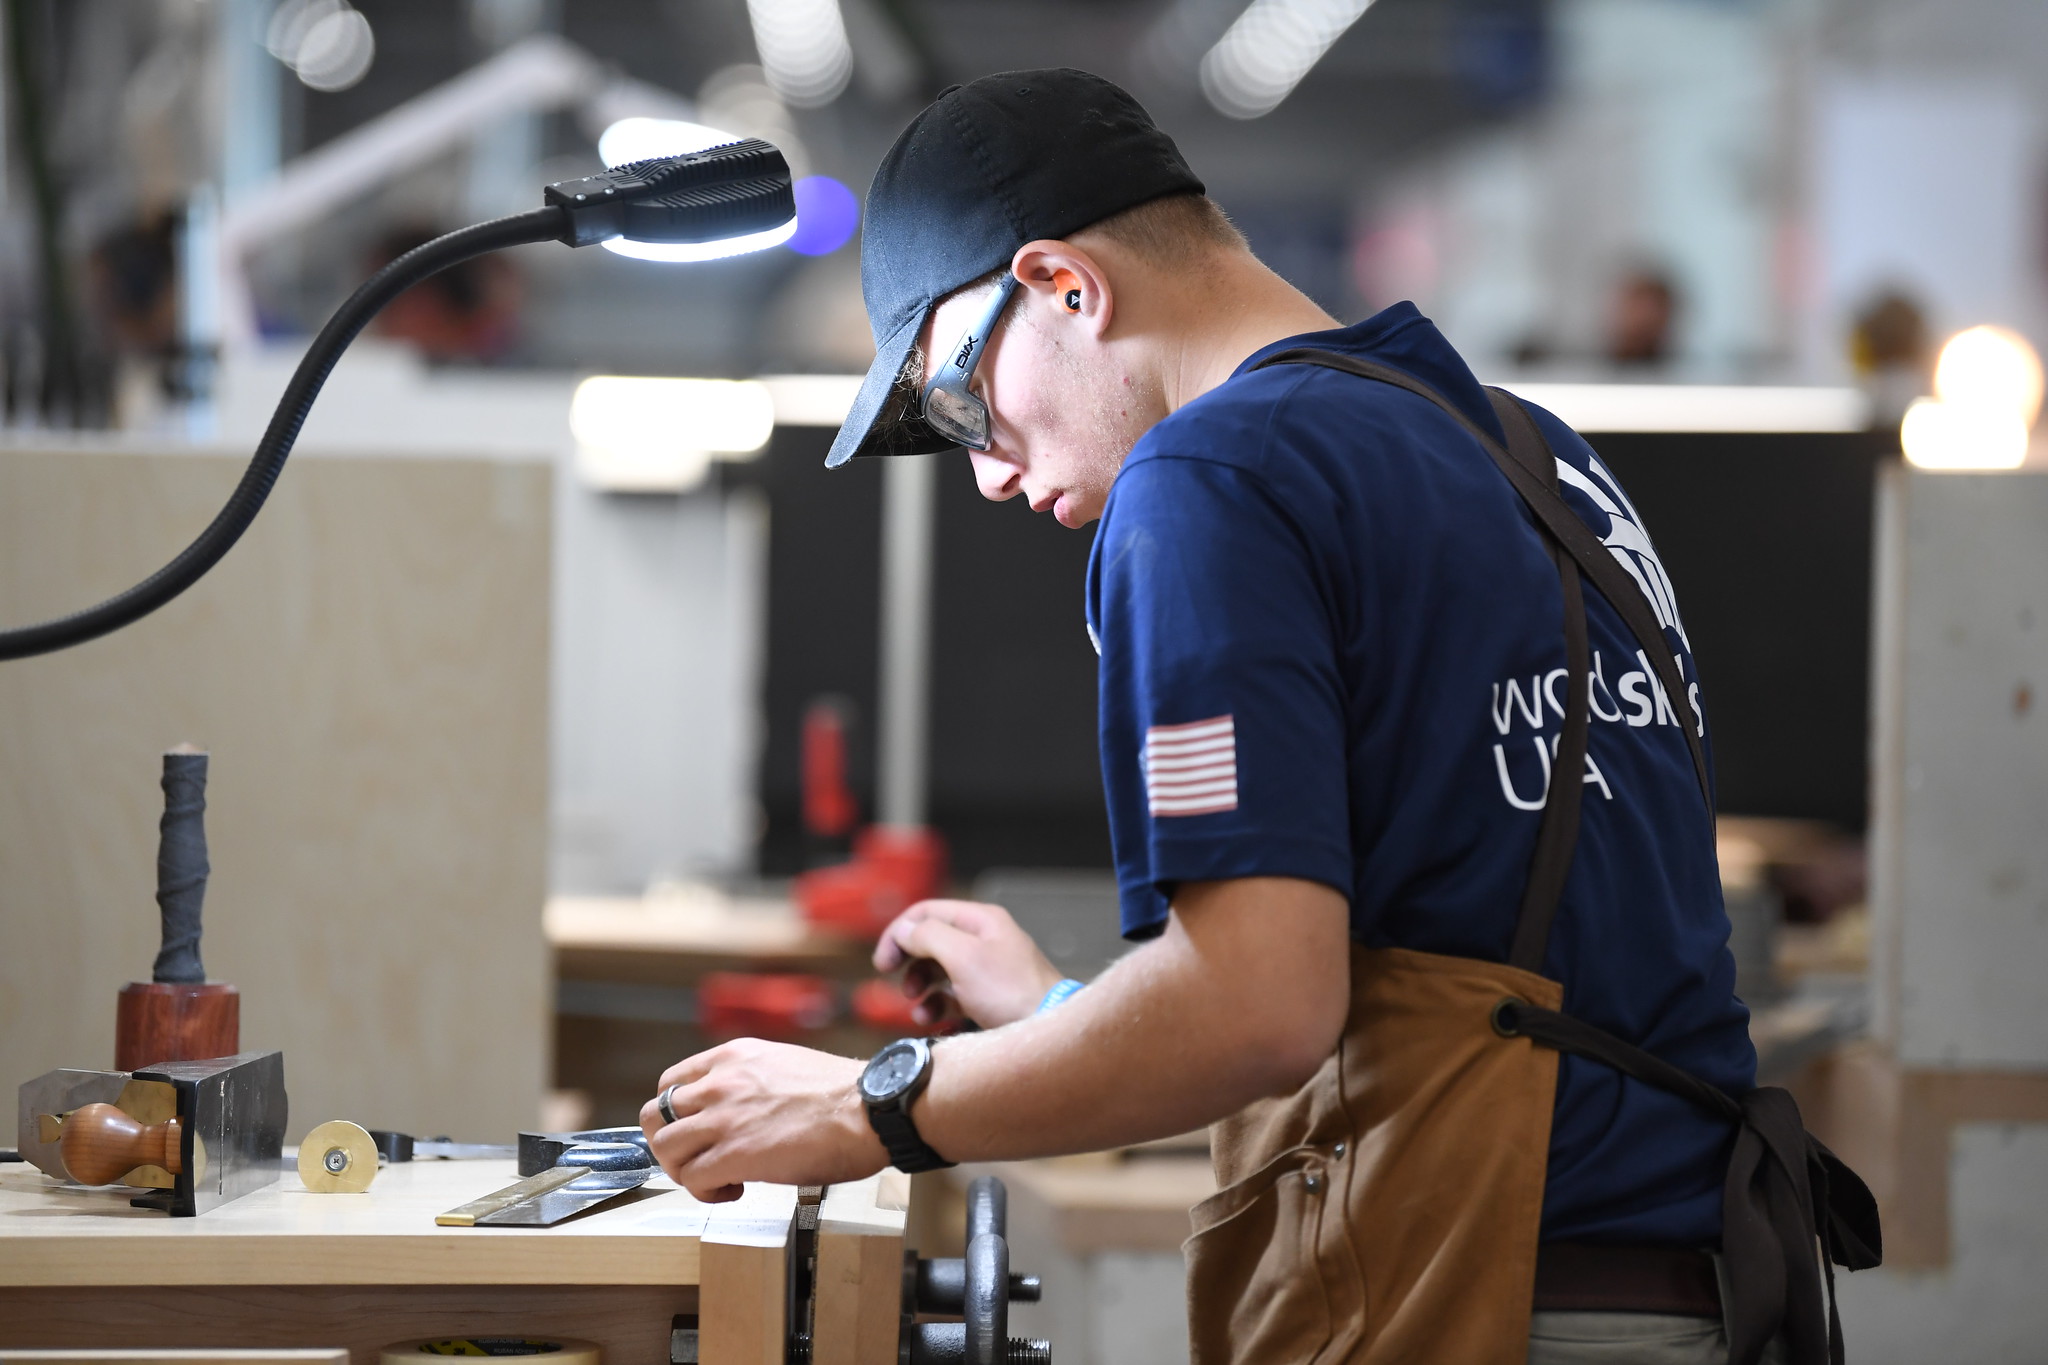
(1332, 648)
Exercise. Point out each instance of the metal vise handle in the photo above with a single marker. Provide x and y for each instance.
(979, 1287)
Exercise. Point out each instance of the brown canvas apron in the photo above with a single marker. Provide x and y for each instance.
(1389, 1211)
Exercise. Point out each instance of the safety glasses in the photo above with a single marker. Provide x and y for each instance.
(952, 409)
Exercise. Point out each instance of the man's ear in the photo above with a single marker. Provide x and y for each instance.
(1066, 282)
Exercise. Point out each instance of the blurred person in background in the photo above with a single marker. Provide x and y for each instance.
(1891, 355)
(1640, 319)
(132, 293)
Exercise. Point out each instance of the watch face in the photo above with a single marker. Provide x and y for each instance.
(893, 1068)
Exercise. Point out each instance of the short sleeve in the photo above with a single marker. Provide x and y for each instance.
(1222, 709)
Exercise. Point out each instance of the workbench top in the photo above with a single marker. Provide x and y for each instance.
(675, 936)
(55, 1234)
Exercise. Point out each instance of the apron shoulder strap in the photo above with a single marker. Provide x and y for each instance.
(1529, 464)
(1616, 584)
(1531, 469)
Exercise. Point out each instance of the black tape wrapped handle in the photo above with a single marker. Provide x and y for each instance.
(181, 868)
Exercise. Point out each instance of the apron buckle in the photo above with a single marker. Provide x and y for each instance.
(1507, 1017)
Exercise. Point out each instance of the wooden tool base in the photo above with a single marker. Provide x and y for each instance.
(158, 1021)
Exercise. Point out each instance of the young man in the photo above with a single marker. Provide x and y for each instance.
(1341, 661)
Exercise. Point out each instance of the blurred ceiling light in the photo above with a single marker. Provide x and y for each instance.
(648, 435)
(328, 43)
(1939, 435)
(827, 215)
(702, 251)
(637, 139)
(289, 24)
(1993, 369)
(803, 49)
(1988, 393)
(1261, 58)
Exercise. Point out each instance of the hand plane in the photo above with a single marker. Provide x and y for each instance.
(194, 1134)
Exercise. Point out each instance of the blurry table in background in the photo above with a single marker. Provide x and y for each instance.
(626, 976)
(627, 969)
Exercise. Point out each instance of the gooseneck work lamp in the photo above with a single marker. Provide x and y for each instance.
(721, 201)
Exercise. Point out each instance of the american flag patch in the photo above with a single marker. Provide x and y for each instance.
(1191, 769)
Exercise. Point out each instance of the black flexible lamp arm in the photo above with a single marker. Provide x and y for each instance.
(539, 225)
(714, 195)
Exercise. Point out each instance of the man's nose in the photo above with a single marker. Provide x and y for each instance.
(999, 481)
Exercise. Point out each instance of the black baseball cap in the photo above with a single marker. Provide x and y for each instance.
(987, 167)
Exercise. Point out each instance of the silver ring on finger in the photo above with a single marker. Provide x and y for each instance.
(661, 1102)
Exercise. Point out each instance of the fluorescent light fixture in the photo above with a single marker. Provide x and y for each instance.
(803, 49)
(1261, 58)
(703, 251)
(1699, 407)
(639, 139)
(1940, 435)
(812, 400)
(1990, 367)
(641, 434)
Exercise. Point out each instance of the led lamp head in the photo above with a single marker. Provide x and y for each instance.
(722, 194)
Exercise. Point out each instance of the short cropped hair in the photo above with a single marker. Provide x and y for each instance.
(1173, 230)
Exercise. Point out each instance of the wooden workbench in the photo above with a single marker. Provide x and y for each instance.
(286, 1267)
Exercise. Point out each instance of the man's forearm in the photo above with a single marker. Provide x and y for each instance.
(1185, 1030)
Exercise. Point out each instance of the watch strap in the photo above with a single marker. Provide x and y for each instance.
(908, 1152)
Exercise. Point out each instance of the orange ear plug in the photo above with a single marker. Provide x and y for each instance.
(1068, 285)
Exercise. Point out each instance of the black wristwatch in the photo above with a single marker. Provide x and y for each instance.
(896, 1076)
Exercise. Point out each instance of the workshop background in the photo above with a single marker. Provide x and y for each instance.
(565, 714)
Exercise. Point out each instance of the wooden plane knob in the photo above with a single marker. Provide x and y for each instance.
(101, 1144)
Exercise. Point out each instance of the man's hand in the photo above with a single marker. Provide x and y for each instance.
(967, 958)
(754, 1110)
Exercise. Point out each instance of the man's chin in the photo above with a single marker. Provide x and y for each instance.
(1072, 513)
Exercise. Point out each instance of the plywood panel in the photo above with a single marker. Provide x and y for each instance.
(1959, 869)
(369, 670)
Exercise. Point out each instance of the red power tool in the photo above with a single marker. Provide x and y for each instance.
(893, 866)
(763, 1004)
